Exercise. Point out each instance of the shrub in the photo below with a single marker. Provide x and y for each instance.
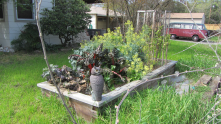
(66, 19)
(28, 40)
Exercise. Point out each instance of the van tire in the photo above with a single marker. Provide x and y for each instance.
(173, 36)
(195, 38)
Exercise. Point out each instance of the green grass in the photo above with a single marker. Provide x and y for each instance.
(215, 39)
(21, 100)
(177, 46)
(202, 89)
(199, 56)
(161, 105)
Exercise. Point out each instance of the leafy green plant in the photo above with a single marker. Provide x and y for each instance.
(28, 40)
(60, 74)
(108, 77)
(113, 66)
(137, 48)
(137, 69)
(66, 19)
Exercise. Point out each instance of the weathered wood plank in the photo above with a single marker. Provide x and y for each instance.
(204, 80)
(83, 110)
(214, 85)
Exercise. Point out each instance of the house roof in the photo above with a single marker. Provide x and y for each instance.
(100, 11)
(185, 15)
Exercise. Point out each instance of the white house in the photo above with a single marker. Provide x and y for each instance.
(186, 17)
(99, 18)
(12, 20)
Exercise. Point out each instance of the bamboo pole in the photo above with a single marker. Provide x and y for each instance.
(152, 35)
(137, 20)
(164, 31)
(107, 21)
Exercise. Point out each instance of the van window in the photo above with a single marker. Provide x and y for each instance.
(186, 26)
(198, 27)
(176, 25)
(171, 25)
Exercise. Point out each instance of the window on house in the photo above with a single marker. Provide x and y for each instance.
(1, 9)
(25, 10)
(101, 19)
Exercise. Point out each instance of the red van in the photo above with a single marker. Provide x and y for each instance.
(189, 30)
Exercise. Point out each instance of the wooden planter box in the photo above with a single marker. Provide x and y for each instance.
(88, 109)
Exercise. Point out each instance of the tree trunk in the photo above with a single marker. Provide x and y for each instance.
(62, 43)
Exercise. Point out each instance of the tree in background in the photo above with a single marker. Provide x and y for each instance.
(211, 8)
(176, 7)
(128, 8)
(66, 19)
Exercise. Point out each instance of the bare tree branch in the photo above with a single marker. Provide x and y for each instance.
(140, 111)
(37, 5)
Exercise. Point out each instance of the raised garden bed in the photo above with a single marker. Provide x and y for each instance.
(88, 109)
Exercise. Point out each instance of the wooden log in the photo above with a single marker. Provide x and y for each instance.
(204, 80)
(214, 85)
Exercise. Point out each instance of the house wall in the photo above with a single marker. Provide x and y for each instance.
(50, 39)
(94, 21)
(16, 27)
(4, 28)
(185, 20)
(203, 19)
(101, 24)
(10, 29)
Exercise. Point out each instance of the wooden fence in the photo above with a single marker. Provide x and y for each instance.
(213, 26)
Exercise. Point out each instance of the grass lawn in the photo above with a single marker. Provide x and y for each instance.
(21, 100)
(215, 39)
(199, 56)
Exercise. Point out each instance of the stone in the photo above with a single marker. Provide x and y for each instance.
(164, 82)
(178, 79)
